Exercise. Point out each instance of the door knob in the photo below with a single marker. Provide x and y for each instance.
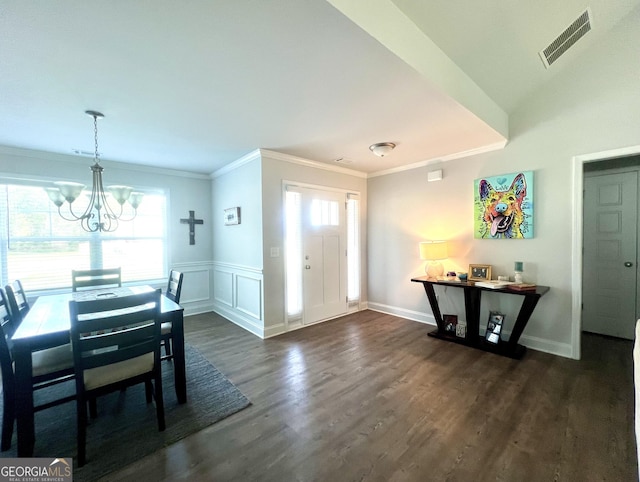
(628, 264)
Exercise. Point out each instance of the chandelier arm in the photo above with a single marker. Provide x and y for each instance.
(73, 218)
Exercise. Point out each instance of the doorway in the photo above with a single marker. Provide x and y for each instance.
(610, 233)
(322, 272)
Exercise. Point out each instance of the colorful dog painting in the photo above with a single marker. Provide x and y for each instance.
(503, 206)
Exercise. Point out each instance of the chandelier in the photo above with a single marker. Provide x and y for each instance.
(98, 215)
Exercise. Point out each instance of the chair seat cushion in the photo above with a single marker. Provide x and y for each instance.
(52, 360)
(165, 329)
(105, 375)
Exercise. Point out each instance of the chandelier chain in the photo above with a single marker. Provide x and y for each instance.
(95, 135)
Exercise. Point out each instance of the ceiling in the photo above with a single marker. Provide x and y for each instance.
(196, 85)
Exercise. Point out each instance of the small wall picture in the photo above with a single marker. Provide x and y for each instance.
(494, 327)
(503, 206)
(479, 272)
(450, 323)
(231, 216)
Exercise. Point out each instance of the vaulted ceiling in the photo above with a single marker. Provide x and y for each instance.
(196, 85)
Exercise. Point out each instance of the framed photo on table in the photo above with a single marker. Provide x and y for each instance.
(494, 327)
(479, 272)
(450, 323)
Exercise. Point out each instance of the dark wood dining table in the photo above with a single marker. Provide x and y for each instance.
(47, 325)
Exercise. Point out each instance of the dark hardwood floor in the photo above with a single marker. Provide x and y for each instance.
(371, 397)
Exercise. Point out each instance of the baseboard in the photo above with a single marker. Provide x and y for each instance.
(532, 342)
(421, 317)
(239, 320)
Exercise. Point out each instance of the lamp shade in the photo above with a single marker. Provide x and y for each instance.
(432, 250)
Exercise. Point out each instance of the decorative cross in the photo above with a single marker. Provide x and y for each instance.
(192, 221)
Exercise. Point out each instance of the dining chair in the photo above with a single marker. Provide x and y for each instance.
(174, 289)
(18, 303)
(49, 367)
(116, 344)
(96, 278)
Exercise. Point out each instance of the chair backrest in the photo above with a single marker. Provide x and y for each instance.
(6, 332)
(96, 278)
(174, 287)
(113, 330)
(18, 303)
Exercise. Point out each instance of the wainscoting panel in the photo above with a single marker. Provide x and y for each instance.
(223, 286)
(239, 296)
(197, 296)
(249, 295)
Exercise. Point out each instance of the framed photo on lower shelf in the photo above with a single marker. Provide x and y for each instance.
(494, 327)
(450, 323)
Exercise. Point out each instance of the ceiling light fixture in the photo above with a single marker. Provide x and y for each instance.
(98, 214)
(381, 149)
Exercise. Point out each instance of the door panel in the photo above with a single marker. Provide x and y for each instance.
(610, 253)
(324, 252)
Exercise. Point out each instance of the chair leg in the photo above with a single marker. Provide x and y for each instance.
(159, 401)
(82, 430)
(8, 416)
(167, 346)
(93, 407)
(148, 390)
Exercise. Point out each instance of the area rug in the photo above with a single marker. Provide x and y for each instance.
(126, 428)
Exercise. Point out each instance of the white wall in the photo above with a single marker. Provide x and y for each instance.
(185, 191)
(237, 249)
(592, 106)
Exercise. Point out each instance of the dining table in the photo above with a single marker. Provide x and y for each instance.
(47, 325)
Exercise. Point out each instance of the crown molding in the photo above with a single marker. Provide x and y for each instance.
(82, 160)
(279, 156)
(436, 160)
(252, 156)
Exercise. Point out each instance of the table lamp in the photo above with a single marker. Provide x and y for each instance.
(433, 251)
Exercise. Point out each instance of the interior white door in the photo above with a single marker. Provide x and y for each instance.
(324, 251)
(610, 254)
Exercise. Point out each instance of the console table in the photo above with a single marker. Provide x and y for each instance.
(472, 297)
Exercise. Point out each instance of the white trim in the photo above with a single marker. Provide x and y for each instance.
(402, 313)
(576, 236)
(86, 161)
(306, 162)
(240, 267)
(436, 160)
(252, 156)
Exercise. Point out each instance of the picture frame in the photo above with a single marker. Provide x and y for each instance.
(232, 216)
(450, 322)
(479, 272)
(494, 327)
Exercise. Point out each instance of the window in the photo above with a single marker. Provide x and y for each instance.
(293, 256)
(40, 248)
(353, 248)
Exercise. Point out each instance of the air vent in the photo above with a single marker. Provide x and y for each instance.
(80, 152)
(566, 39)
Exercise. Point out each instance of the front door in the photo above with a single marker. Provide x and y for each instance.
(610, 253)
(324, 251)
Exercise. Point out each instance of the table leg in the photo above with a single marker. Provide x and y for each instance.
(528, 304)
(179, 362)
(435, 308)
(472, 299)
(24, 402)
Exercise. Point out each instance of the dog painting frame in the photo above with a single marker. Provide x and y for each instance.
(503, 206)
